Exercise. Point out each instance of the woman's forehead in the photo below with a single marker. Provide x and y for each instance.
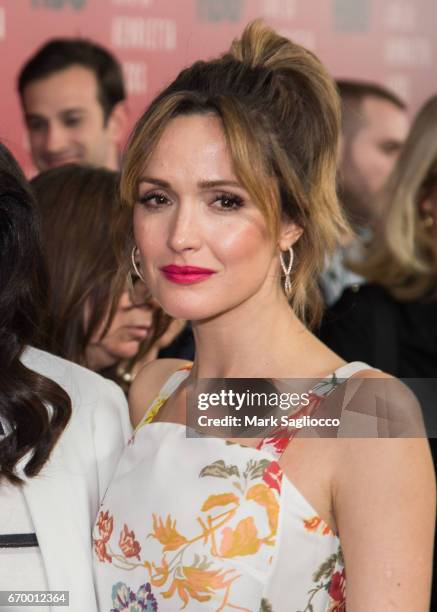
(194, 146)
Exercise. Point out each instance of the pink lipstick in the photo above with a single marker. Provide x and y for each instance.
(186, 275)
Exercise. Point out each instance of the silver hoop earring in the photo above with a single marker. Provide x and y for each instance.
(135, 266)
(287, 269)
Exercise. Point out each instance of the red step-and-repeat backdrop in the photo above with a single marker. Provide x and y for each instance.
(393, 42)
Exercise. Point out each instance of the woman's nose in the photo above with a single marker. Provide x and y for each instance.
(184, 231)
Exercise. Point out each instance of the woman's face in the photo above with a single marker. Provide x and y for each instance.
(130, 326)
(204, 244)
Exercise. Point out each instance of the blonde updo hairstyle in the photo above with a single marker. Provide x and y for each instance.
(280, 114)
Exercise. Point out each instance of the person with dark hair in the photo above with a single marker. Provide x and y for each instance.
(94, 316)
(373, 129)
(62, 428)
(230, 179)
(72, 95)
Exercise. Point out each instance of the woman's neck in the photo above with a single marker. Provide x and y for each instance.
(259, 338)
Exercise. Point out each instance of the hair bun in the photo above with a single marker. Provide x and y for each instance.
(261, 46)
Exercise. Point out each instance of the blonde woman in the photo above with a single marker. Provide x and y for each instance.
(231, 177)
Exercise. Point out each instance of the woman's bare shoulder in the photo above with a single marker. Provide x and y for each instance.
(381, 427)
(148, 383)
(385, 404)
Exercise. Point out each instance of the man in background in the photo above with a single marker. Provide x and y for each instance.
(73, 100)
(374, 127)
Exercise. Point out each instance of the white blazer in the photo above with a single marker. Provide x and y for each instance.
(64, 498)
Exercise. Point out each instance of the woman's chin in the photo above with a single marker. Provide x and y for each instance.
(130, 350)
(188, 313)
(124, 351)
(193, 304)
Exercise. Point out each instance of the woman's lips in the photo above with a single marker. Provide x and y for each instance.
(138, 331)
(186, 275)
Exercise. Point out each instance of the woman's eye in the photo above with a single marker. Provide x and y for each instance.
(154, 200)
(228, 202)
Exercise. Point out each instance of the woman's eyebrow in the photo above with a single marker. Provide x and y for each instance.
(201, 184)
(220, 183)
(154, 181)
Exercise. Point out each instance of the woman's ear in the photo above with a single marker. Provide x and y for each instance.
(289, 234)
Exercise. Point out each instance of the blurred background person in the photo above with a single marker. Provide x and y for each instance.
(62, 427)
(73, 100)
(400, 265)
(374, 128)
(391, 322)
(95, 316)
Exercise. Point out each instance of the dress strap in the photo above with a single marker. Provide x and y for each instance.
(277, 443)
(174, 380)
(352, 368)
(167, 389)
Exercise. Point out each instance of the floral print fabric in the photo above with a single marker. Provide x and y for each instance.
(203, 524)
(197, 566)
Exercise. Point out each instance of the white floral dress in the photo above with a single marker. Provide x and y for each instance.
(206, 525)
